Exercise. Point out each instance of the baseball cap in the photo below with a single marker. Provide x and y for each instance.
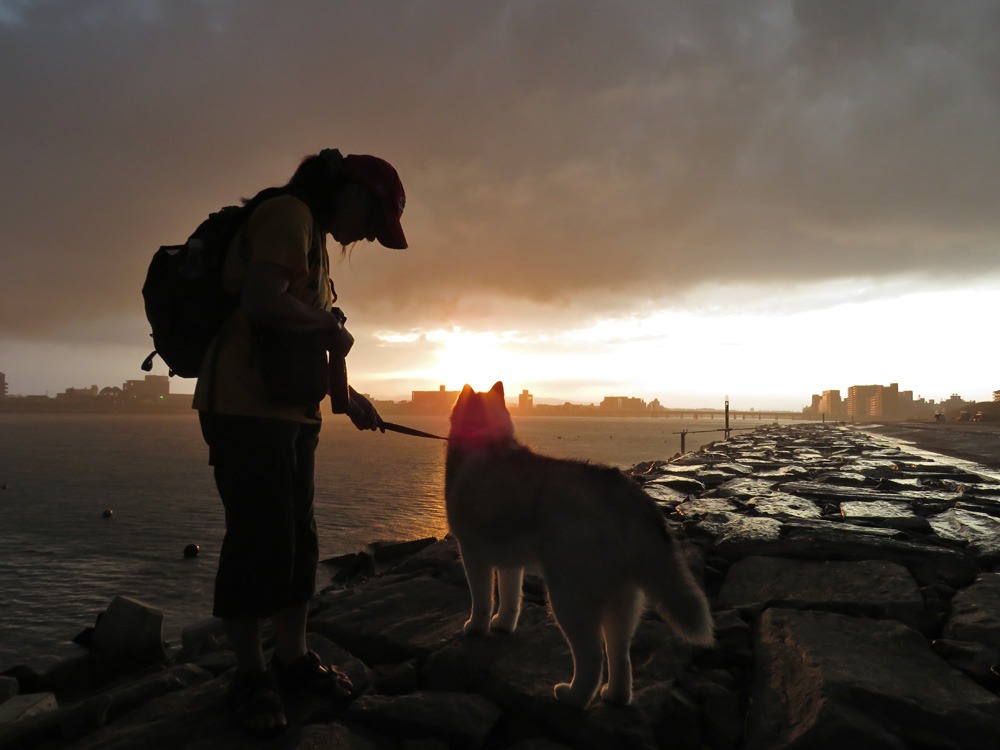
(379, 176)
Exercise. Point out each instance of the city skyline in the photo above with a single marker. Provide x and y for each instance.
(886, 400)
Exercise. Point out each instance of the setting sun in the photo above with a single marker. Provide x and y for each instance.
(472, 357)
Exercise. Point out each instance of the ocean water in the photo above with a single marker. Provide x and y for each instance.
(62, 561)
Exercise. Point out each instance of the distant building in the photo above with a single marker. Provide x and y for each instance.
(996, 394)
(884, 402)
(831, 405)
(525, 402)
(78, 394)
(150, 388)
(432, 402)
(859, 400)
(3, 386)
(622, 403)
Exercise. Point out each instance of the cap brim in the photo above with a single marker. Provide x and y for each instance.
(390, 234)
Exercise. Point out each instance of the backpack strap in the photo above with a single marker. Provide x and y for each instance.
(213, 366)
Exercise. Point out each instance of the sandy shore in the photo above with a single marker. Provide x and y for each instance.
(971, 441)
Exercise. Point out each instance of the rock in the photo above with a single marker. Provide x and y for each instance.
(711, 507)
(24, 706)
(784, 504)
(883, 509)
(197, 635)
(873, 588)
(440, 561)
(351, 567)
(829, 681)
(975, 612)
(395, 620)
(8, 687)
(784, 472)
(981, 532)
(323, 737)
(664, 495)
(819, 540)
(699, 458)
(389, 553)
(518, 671)
(129, 628)
(977, 660)
(28, 678)
(843, 478)
(744, 487)
(684, 484)
(460, 719)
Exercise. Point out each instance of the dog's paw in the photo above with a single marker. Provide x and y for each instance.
(564, 694)
(503, 624)
(476, 627)
(616, 697)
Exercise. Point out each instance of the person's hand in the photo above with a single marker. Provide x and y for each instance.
(363, 414)
(339, 340)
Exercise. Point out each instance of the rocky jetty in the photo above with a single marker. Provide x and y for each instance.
(856, 599)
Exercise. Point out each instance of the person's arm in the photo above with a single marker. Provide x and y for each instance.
(266, 302)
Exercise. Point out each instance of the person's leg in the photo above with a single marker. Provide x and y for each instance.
(244, 635)
(290, 633)
(295, 665)
(247, 461)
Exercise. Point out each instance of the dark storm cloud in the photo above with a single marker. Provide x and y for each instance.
(551, 151)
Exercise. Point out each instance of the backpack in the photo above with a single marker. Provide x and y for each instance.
(183, 295)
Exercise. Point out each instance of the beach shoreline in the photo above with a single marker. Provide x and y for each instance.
(978, 442)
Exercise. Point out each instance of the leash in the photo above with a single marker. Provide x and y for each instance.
(409, 431)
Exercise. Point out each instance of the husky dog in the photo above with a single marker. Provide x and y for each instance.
(598, 539)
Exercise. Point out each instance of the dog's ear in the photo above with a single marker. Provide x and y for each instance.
(497, 389)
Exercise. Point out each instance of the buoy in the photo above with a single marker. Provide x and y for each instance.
(108, 513)
(192, 550)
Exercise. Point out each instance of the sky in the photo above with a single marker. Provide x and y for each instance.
(685, 201)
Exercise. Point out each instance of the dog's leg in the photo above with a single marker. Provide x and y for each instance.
(580, 619)
(509, 590)
(479, 574)
(620, 620)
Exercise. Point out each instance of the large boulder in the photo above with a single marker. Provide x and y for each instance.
(975, 612)
(394, 618)
(874, 588)
(826, 681)
(129, 628)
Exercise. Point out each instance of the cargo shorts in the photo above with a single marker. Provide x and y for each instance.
(264, 471)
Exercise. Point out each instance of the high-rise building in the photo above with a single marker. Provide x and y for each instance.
(859, 400)
(3, 385)
(831, 405)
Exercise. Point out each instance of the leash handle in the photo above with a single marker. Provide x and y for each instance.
(410, 431)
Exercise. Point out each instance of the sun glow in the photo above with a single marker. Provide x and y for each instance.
(471, 357)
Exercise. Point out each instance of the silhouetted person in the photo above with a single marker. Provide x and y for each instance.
(258, 396)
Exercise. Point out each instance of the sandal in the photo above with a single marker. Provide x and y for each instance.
(254, 702)
(311, 674)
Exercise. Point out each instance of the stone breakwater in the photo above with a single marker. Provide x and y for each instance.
(856, 600)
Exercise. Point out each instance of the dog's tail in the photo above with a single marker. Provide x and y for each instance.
(665, 577)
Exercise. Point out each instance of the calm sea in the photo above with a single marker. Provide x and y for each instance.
(62, 561)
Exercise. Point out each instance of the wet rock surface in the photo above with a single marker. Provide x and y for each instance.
(856, 596)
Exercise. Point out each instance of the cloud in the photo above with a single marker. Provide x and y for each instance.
(555, 160)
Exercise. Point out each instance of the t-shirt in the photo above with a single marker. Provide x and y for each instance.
(281, 230)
